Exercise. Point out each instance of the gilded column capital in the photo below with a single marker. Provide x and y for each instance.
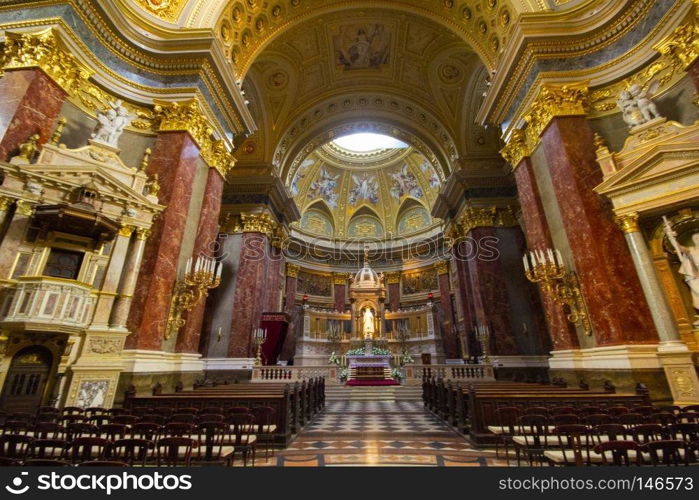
(682, 45)
(24, 208)
(517, 148)
(142, 234)
(188, 116)
(126, 231)
(292, 270)
(442, 267)
(492, 216)
(5, 202)
(258, 223)
(628, 223)
(44, 50)
(340, 278)
(554, 101)
(393, 278)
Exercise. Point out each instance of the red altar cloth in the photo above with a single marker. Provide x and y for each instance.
(276, 324)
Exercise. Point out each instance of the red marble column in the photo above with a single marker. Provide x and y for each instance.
(490, 300)
(250, 293)
(29, 103)
(463, 292)
(289, 347)
(608, 279)
(290, 294)
(450, 340)
(204, 245)
(273, 280)
(394, 296)
(174, 159)
(562, 331)
(340, 295)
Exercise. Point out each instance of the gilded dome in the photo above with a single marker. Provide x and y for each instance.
(366, 278)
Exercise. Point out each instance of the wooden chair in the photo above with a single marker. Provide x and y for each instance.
(265, 427)
(145, 430)
(73, 410)
(132, 451)
(15, 446)
(589, 410)
(506, 422)
(618, 453)
(45, 462)
(604, 433)
(81, 429)
(212, 445)
(643, 410)
(597, 419)
(564, 419)
(17, 427)
(189, 410)
(49, 449)
(86, 449)
(154, 418)
(113, 431)
(616, 411)
(48, 430)
(531, 438)
(179, 429)
(186, 418)
(210, 417)
(573, 446)
(165, 411)
(667, 452)
(686, 417)
(244, 440)
(687, 432)
(175, 451)
(663, 418)
(630, 419)
(103, 463)
(125, 419)
(645, 433)
(237, 409)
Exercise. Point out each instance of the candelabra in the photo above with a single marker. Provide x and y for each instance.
(549, 271)
(259, 336)
(483, 337)
(334, 333)
(191, 289)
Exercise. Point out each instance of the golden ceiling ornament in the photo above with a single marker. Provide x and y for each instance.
(167, 10)
(554, 101)
(258, 223)
(442, 267)
(393, 278)
(43, 50)
(292, 270)
(187, 116)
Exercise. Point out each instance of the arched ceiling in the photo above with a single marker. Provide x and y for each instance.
(366, 67)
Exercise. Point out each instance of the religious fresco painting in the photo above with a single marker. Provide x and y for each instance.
(324, 187)
(316, 222)
(365, 188)
(413, 219)
(362, 46)
(315, 284)
(365, 226)
(405, 184)
(419, 282)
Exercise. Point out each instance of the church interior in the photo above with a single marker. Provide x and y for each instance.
(325, 232)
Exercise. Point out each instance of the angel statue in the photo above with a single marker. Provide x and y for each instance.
(637, 106)
(689, 262)
(111, 123)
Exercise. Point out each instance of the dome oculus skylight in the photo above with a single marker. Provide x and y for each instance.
(365, 142)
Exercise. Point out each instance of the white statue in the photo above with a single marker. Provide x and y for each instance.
(111, 123)
(689, 262)
(636, 105)
(368, 323)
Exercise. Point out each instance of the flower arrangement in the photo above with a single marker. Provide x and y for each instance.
(334, 360)
(396, 374)
(344, 373)
(407, 359)
(377, 351)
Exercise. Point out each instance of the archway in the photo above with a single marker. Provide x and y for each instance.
(27, 379)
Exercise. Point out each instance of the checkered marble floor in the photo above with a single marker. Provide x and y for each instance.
(350, 433)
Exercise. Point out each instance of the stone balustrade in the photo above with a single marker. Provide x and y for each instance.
(450, 372)
(294, 373)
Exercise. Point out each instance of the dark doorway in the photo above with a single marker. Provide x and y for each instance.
(26, 380)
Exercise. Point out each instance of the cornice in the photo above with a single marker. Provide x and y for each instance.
(163, 65)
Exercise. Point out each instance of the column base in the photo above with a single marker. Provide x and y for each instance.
(681, 373)
(228, 370)
(623, 365)
(521, 368)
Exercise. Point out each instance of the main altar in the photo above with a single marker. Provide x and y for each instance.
(369, 365)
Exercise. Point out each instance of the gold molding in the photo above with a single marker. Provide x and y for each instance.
(5, 202)
(126, 231)
(292, 270)
(258, 223)
(167, 10)
(340, 278)
(43, 50)
(393, 278)
(628, 223)
(142, 234)
(517, 148)
(24, 208)
(554, 101)
(473, 217)
(442, 267)
(683, 44)
(188, 116)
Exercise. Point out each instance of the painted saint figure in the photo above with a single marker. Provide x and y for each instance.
(689, 263)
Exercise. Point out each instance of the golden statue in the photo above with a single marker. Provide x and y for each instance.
(368, 324)
(152, 186)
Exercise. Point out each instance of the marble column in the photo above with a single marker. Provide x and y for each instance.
(610, 285)
(29, 104)
(289, 347)
(464, 295)
(110, 284)
(250, 293)
(174, 159)
(340, 291)
(274, 291)
(562, 331)
(14, 236)
(393, 286)
(449, 335)
(132, 265)
(491, 303)
(204, 245)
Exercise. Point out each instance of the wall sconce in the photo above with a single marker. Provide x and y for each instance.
(549, 271)
(483, 337)
(191, 289)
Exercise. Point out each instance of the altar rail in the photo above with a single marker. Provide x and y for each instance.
(293, 373)
(450, 372)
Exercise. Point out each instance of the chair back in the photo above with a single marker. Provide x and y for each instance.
(662, 418)
(619, 453)
(186, 418)
(132, 451)
(264, 416)
(687, 432)
(608, 432)
(646, 433)
(48, 430)
(179, 429)
(597, 419)
(630, 419)
(211, 440)
(564, 419)
(17, 427)
(15, 446)
(666, 452)
(89, 448)
(81, 429)
(146, 430)
(589, 410)
(240, 424)
(45, 462)
(507, 417)
(49, 448)
(73, 410)
(113, 431)
(573, 441)
(237, 409)
(125, 419)
(175, 451)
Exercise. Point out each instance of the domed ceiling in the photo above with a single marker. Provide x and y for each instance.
(384, 193)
